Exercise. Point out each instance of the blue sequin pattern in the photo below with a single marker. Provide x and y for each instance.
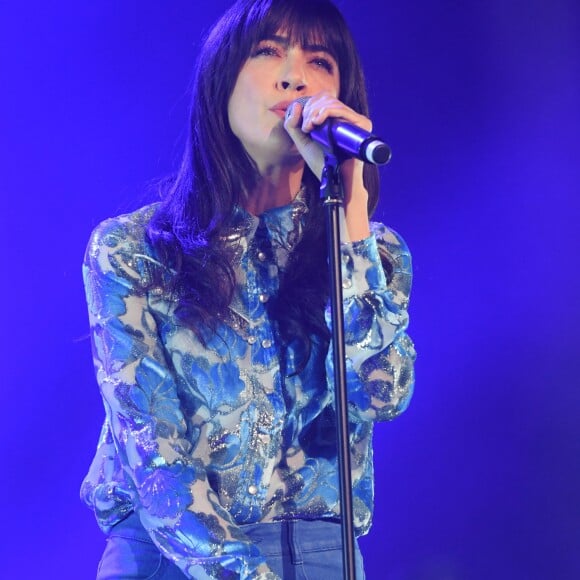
(201, 439)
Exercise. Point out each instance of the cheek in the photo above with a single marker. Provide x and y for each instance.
(337, 86)
(330, 85)
(232, 114)
(241, 106)
(237, 112)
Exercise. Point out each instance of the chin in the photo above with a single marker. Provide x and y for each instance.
(283, 150)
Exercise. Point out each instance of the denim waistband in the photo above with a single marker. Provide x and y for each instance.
(301, 535)
(293, 548)
(311, 535)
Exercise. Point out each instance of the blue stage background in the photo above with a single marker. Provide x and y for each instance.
(480, 102)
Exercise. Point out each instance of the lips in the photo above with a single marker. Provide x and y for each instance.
(279, 109)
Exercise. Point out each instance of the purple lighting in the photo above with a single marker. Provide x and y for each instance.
(479, 101)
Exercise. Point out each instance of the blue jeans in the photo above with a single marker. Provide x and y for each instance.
(295, 550)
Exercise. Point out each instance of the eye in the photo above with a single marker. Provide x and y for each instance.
(266, 50)
(324, 63)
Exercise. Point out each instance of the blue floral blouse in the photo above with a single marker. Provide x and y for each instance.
(199, 440)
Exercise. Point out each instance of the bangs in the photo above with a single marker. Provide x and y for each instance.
(306, 23)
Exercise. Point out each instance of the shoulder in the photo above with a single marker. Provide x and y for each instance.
(130, 228)
(121, 244)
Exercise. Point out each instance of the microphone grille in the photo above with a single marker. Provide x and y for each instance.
(302, 100)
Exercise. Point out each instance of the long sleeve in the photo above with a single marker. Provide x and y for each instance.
(379, 354)
(162, 470)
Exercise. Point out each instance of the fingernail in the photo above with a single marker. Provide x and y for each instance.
(289, 110)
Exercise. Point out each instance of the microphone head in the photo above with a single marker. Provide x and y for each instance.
(378, 152)
(302, 100)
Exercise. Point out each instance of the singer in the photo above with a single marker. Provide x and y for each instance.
(218, 457)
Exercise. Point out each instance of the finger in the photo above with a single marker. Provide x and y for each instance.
(293, 123)
(293, 115)
(318, 112)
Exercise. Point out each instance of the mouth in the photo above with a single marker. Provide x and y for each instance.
(279, 109)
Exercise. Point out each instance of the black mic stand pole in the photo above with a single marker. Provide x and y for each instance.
(332, 194)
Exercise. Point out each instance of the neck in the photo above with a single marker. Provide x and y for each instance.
(277, 186)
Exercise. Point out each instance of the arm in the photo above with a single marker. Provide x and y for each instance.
(379, 354)
(170, 489)
(300, 121)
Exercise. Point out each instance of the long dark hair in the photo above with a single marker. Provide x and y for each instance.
(216, 172)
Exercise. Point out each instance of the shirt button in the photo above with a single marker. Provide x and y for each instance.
(261, 256)
(252, 490)
(266, 343)
(251, 339)
(347, 283)
(263, 298)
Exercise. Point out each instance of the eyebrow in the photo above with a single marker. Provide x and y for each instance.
(285, 42)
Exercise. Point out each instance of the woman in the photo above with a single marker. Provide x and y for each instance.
(217, 457)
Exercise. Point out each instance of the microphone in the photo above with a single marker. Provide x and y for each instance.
(346, 140)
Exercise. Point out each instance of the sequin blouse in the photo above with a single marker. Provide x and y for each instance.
(199, 440)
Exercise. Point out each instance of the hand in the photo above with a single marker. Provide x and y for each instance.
(319, 108)
(302, 119)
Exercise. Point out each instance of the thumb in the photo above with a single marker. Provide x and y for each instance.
(310, 151)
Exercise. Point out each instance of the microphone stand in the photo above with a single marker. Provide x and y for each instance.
(332, 194)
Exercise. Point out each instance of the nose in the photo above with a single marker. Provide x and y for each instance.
(293, 85)
(292, 75)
